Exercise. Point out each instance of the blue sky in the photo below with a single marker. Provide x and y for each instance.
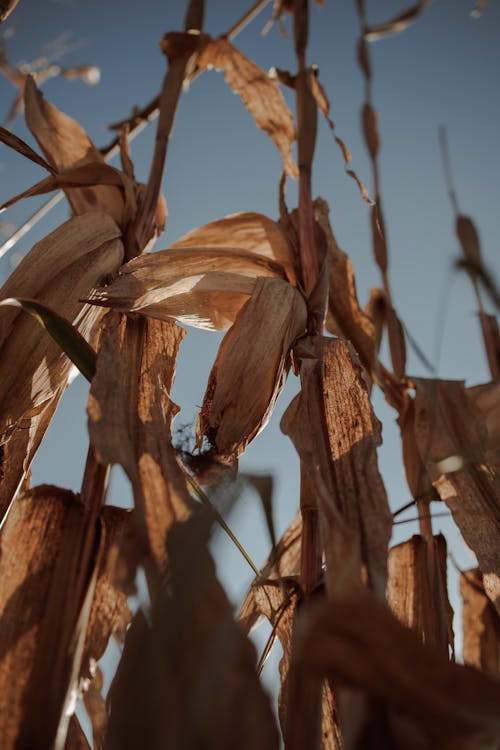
(443, 70)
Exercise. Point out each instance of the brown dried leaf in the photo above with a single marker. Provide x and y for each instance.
(481, 625)
(432, 702)
(419, 482)
(249, 232)
(109, 612)
(258, 92)
(130, 418)
(486, 400)
(13, 141)
(395, 25)
(375, 309)
(6, 8)
(397, 343)
(190, 675)
(333, 427)
(57, 271)
(202, 287)
(323, 104)
(95, 705)
(286, 556)
(345, 316)
(370, 130)
(452, 439)
(87, 176)
(416, 590)
(469, 240)
(44, 595)
(378, 237)
(491, 337)
(65, 144)
(75, 739)
(234, 410)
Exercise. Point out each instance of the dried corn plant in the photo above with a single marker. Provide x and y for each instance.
(365, 630)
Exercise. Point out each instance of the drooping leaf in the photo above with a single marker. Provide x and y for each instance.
(202, 287)
(416, 590)
(395, 25)
(345, 316)
(323, 104)
(189, 672)
(16, 143)
(129, 423)
(258, 92)
(83, 177)
(65, 145)
(57, 272)
(249, 232)
(234, 410)
(481, 625)
(6, 8)
(64, 334)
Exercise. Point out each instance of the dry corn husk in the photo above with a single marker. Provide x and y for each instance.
(202, 287)
(246, 380)
(57, 272)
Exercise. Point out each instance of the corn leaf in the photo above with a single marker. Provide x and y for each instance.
(249, 232)
(395, 25)
(57, 271)
(212, 698)
(64, 334)
(335, 432)
(452, 439)
(65, 145)
(129, 423)
(345, 316)
(202, 287)
(431, 702)
(416, 590)
(258, 92)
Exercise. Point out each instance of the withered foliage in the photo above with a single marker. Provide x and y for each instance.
(365, 630)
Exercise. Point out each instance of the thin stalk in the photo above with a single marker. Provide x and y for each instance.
(203, 497)
(250, 14)
(421, 517)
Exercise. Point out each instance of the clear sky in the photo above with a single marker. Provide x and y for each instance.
(443, 70)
